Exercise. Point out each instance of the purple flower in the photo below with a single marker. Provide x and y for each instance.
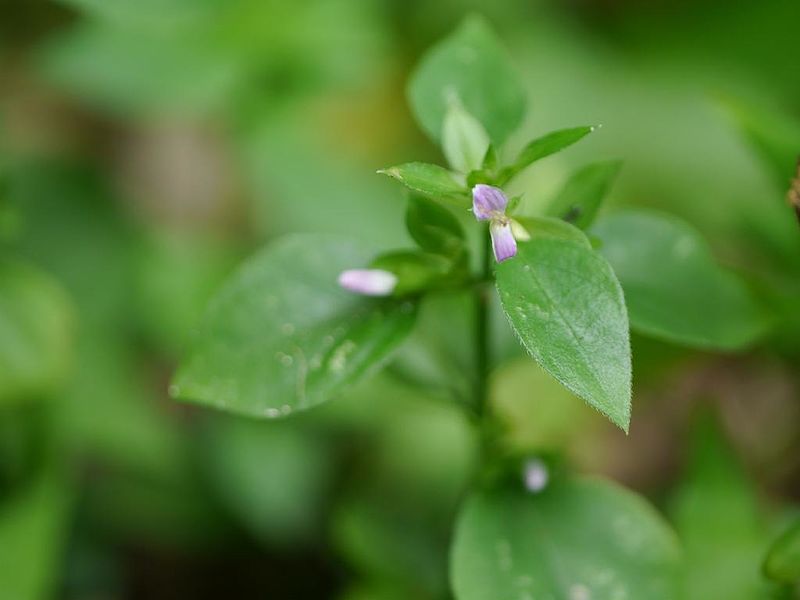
(368, 282)
(489, 204)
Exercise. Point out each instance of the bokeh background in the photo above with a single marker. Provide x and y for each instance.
(148, 146)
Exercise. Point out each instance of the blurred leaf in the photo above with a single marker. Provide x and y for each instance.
(429, 180)
(581, 197)
(416, 271)
(393, 542)
(717, 517)
(433, 227)
(36, 330)
(567, 309)
(542, 147)
(773, 134)
(464, 140)
(674, 289)
(577, 539)
(783, 560)
(33, 525)
(149, 12)
(471, 67)
(272, 476)
(177, 274)
(282, 335)
(536, 412)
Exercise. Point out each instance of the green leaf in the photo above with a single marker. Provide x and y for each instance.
(783, 560)
(32, 537)
(674, 288)
(578, 539)
(433, 227)
(272, 475)
(36, 326)
(464, 140)
(717, 517)
(774, 135)
(581, 197)
(566, 307)
(282, 336)
(415, 271)
(429, 180)
(469, 66)
(542, 147)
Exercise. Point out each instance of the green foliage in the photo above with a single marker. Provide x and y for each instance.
(416, 271)
(674, 288)
(543, 147)
(273, 477)
(783, 560)
(567, 309)
(718, 519)
(469, 67)
(33, 527)
(282, 336)
(774, 134)
(576, 539)
(426, 179)
(584, 192)
(36, 330)
(433, 227)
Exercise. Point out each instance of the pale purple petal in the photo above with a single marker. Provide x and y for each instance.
(536, 475)
(503, 242)
(488, 201)
(368, 282)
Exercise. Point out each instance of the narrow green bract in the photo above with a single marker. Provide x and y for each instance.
(282, 335)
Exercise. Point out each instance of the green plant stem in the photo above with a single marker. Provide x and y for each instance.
(482, 357)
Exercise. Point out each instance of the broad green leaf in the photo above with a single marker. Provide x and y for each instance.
(464, 140)
(282, 335)
(469, 66)
(33, 527)
(542, 147)
(566, 307)
(433, 227)
(36, 326)
(783, 560)
(717, 517)
(774, 134)
(581, 197)
(577, 540)
(427, 179)
(674, 288)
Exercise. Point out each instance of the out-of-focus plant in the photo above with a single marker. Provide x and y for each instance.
(310, 315)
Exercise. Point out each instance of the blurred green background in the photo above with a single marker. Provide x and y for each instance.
(147, 146)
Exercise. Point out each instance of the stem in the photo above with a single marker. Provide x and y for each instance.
(482, 328)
